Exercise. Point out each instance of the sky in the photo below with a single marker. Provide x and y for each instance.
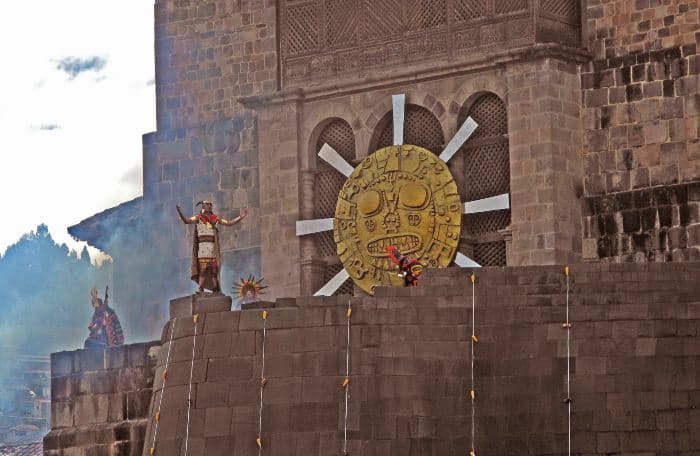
(76, 94)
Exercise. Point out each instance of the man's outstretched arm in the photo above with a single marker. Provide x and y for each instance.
(225, 222)
(184, 219)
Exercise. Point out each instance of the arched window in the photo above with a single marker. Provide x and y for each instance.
(486, 173)
(339, 135)
(421, 128)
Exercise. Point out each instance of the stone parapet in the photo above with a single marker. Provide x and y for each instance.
(100, 400)
(199, 303)
(410, 367)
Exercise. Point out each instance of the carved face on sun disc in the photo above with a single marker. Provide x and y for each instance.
(399, 195)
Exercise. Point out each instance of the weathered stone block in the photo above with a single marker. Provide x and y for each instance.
(62, 363)
(91, 409)
(90, 359)
(199, 304)
(664, 175)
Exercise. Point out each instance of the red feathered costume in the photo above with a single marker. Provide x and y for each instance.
(410, 268)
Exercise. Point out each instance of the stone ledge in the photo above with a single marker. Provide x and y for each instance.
(186, 306)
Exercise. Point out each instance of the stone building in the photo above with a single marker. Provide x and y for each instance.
(588, 115)
(589, 118)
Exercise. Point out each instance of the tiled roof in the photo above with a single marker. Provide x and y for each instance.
(99, 228)
(25, 449)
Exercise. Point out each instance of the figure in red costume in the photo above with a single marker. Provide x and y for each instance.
(206, 254)
(105, 329)
(409, 268)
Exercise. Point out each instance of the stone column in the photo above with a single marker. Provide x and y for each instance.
(507, 234)
(280, 204)
(311, 267)
(544, 106)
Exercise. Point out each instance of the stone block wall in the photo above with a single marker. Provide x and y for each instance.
(641, 111)
(635, 343)
(100, 400)
(216, 162)
(208, 53)
(545, 165)
(653, 224)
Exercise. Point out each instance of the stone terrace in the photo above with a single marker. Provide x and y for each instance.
(635, 382)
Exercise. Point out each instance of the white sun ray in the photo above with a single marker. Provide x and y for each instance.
(398, 103)
(332, 285)
(333, 158)
(464, 261)
(305, 227)
(492, 203)
(464, 132)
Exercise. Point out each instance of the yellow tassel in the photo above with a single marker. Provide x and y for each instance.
(165, 375)
(349, 312)
(472, 393)
(158, 416)
(264, 315)
(473, 277)
(346, 382)
(153, 451)
(259, 442)
(195, 317)
(474, 339)
(471, 453)
(566, 271)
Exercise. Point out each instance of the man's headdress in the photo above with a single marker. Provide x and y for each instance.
(203, 202)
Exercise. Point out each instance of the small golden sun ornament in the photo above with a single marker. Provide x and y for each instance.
(248, 290)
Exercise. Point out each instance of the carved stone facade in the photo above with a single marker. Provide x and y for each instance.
(599, 101)
(342, 39)
(590, 121)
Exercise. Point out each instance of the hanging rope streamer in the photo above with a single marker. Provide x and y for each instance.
(346, 382)
(189, 390)
(156, 417)
(263, 382)
(474, 340)
(568, 326)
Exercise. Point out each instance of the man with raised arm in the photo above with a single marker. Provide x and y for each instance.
(206, 254)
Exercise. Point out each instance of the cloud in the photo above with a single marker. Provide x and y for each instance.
(73, 66)
(46, 127)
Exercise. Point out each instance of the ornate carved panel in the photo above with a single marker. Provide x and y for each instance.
(341, 23)
(381, 19)
(471, 10)
(426, 14)
(487, 173)
(302, 33)
(421, 128)
(339, 135)
(565, 10)
(341, 38)
(511, 6)
(490, 253)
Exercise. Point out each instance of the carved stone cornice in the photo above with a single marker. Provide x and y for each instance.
(416, 74)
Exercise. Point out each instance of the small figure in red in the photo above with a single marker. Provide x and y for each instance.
(105, 330)
(409, 268)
